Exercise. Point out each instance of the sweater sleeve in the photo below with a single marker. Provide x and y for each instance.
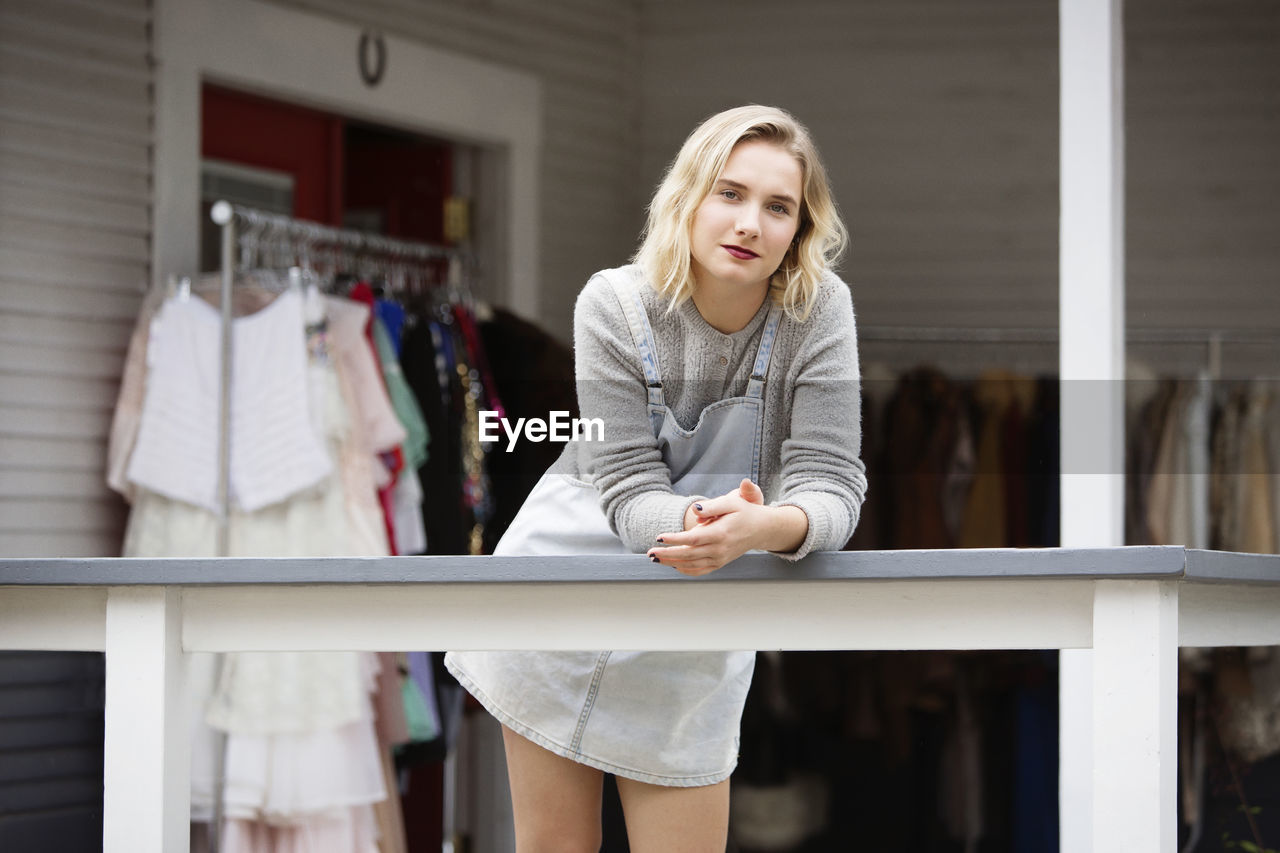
(822, 472)
(626, 466)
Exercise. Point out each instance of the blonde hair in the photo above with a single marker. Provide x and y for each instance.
(665, 253)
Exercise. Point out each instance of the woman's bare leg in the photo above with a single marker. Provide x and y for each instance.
(675, 820)
(556, 802)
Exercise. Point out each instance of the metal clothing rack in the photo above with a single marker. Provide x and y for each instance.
(298, 237)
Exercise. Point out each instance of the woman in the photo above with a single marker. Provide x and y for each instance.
(724, 365)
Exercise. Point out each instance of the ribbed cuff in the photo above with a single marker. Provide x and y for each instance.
(819, 533)
(649, 517)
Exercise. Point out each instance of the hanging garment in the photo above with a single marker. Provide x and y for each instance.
(1225, 465)
(289, 780)
(406, 520)
(425, 361)
(1255, 533)
(1165, 507)
(665, 718)
(352, 830)
(274, 452)
(1149, 418)
(1044, 453)
(985, 522)
(921, 432)
(406, 407)
(1272, 421)
(379, 427)
(133, 390)
(256, 694)
(1196, 426)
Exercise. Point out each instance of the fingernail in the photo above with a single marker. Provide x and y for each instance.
(698, 507)
(654, 557)
(661, 540)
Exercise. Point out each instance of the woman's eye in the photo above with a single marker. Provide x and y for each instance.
(780, 209)
(730, 194)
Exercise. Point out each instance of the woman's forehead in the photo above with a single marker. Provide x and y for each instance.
(757, 161)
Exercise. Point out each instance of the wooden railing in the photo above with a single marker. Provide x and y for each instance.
(1132, 606)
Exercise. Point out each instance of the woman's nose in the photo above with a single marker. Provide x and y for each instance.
(748, 222)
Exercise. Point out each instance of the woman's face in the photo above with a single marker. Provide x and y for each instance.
(742, 229)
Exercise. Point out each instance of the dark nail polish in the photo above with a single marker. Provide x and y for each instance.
(660, 540)
(654, 557)
(698, 507)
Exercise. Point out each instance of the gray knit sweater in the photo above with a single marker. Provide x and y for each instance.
(812, 421)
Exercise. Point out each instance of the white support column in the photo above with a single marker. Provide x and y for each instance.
(1091, 274)
(1091, 358)
(1135, 717)
(147, 756)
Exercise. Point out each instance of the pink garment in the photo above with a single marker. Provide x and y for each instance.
(393, 459)
(133, 389)
(362, 475)
(342, 831)
(381, 429)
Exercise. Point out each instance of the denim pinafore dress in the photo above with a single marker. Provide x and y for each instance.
(666, 718)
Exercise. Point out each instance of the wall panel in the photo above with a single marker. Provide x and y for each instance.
(75, 220)
(585, 54)
(939, 122)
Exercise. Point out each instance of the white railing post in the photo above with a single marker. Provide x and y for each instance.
(1135, 716)
(146, 774)
(1091, 358)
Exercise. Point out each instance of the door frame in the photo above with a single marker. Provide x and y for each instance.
(312, 60)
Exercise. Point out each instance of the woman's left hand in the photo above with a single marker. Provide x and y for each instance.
(719, 530)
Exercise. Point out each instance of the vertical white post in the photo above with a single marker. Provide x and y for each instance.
(1135, 716)
(1091, 358)
(146, 804)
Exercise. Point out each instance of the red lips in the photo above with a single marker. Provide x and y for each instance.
(740, 253)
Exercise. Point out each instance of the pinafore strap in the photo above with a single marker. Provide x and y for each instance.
(642, 333)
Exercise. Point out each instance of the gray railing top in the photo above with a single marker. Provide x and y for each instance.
(1129, 562)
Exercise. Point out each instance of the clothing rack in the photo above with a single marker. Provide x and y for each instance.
(245, 226)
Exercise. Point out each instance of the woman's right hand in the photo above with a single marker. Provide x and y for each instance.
(719, 530)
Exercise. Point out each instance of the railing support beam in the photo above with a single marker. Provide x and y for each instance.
(1135, 711)
(146, 752)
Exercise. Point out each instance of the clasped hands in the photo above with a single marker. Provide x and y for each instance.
(719, 530)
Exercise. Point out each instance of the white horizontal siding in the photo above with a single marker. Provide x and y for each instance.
(939, 124)
(1203, 206)
(585, 55)
(75, 197)
(34, 421)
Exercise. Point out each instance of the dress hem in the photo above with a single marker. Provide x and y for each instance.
(563, 751)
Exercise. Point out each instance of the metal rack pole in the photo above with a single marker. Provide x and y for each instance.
(222, 215)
